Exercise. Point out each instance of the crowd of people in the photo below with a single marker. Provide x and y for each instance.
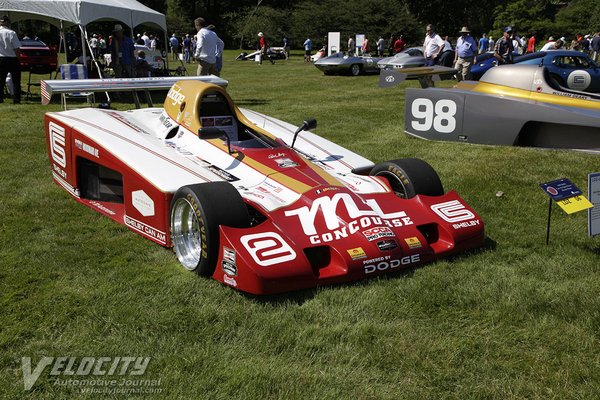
(206, 49)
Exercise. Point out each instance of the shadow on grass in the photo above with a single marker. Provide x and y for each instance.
(251, 102)
(301, 296)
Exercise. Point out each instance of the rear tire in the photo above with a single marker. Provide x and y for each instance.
(355, 70)
(409, 177)
(197, 211)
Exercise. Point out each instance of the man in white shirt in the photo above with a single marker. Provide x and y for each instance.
(432, 46)
(9, 59)
(552, 45)
(206, 48)
(146, 39)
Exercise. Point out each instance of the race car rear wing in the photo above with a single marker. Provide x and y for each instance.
(392, 77)
(49, 87)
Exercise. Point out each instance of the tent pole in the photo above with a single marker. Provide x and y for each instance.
(167, 52)
(84, 35)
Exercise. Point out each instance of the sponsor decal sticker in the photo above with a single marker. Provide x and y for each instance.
(268, 248)
(286, 163)
(147, 230)
(326, 208)
(230, 281)
(143, 203)
(222, 173)
(327, 189)
(453, 211)
(466, 224)
(386, 245)
(391, 263)
(357, 253)
(413, 242)
(271, 156)
(229, 266)
(91, 150)
(175, 95)
(378, 233)
(57, 144)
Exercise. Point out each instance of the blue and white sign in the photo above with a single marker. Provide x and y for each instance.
(594, 197)
(560, 189)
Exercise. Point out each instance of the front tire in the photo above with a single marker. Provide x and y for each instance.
(409, 177)
(355, 70)
(197, 211)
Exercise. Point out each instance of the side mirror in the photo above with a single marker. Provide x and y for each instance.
(307, 125)
(214, 133)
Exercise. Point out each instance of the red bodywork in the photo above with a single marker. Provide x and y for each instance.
(37, 57)
(330, 235)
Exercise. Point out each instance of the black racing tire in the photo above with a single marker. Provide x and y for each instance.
(409, 177)
(197, 211)
(355, 69)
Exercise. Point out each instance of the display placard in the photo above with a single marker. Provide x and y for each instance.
(594, 196)
(568, 196)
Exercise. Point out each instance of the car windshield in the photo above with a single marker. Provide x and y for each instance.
(32, 43)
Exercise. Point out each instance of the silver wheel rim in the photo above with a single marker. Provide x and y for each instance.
(355, 69)
(397, 186)
(185, 229)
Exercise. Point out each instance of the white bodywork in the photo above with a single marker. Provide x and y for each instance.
(137, 138)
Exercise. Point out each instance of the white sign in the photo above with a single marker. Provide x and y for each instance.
(594, 196)
(333, 43)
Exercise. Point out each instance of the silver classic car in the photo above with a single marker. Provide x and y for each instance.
(339, 63)
(411, 57)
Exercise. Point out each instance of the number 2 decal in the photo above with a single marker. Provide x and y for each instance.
(440, 115)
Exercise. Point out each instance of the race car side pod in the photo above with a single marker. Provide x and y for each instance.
(307, 125)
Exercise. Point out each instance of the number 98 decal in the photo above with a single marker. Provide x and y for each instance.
(439, 115)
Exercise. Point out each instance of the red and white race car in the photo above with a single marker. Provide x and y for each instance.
(253, 201)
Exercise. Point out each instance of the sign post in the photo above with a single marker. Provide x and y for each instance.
(567, 196)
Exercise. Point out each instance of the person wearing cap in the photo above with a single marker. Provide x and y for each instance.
(142, 68)
(94, 45)
(264, 48)
(122, 53)
(174, 44)
(503, 51)
(464, 54)
(206, 48)
(9, 59)
(307, 49)
(187, 48)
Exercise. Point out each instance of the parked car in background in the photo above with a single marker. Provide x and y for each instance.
(37, 57)
(571, 69)
(483, 62)
(411, 57)
(339, 63)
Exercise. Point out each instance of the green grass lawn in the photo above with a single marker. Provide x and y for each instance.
(516, 319)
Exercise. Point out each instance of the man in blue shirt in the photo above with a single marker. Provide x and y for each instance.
(307, 49)
(484, 44)
(122, 54)
(464, 54)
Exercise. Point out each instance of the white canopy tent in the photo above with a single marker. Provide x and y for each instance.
(63, 13)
